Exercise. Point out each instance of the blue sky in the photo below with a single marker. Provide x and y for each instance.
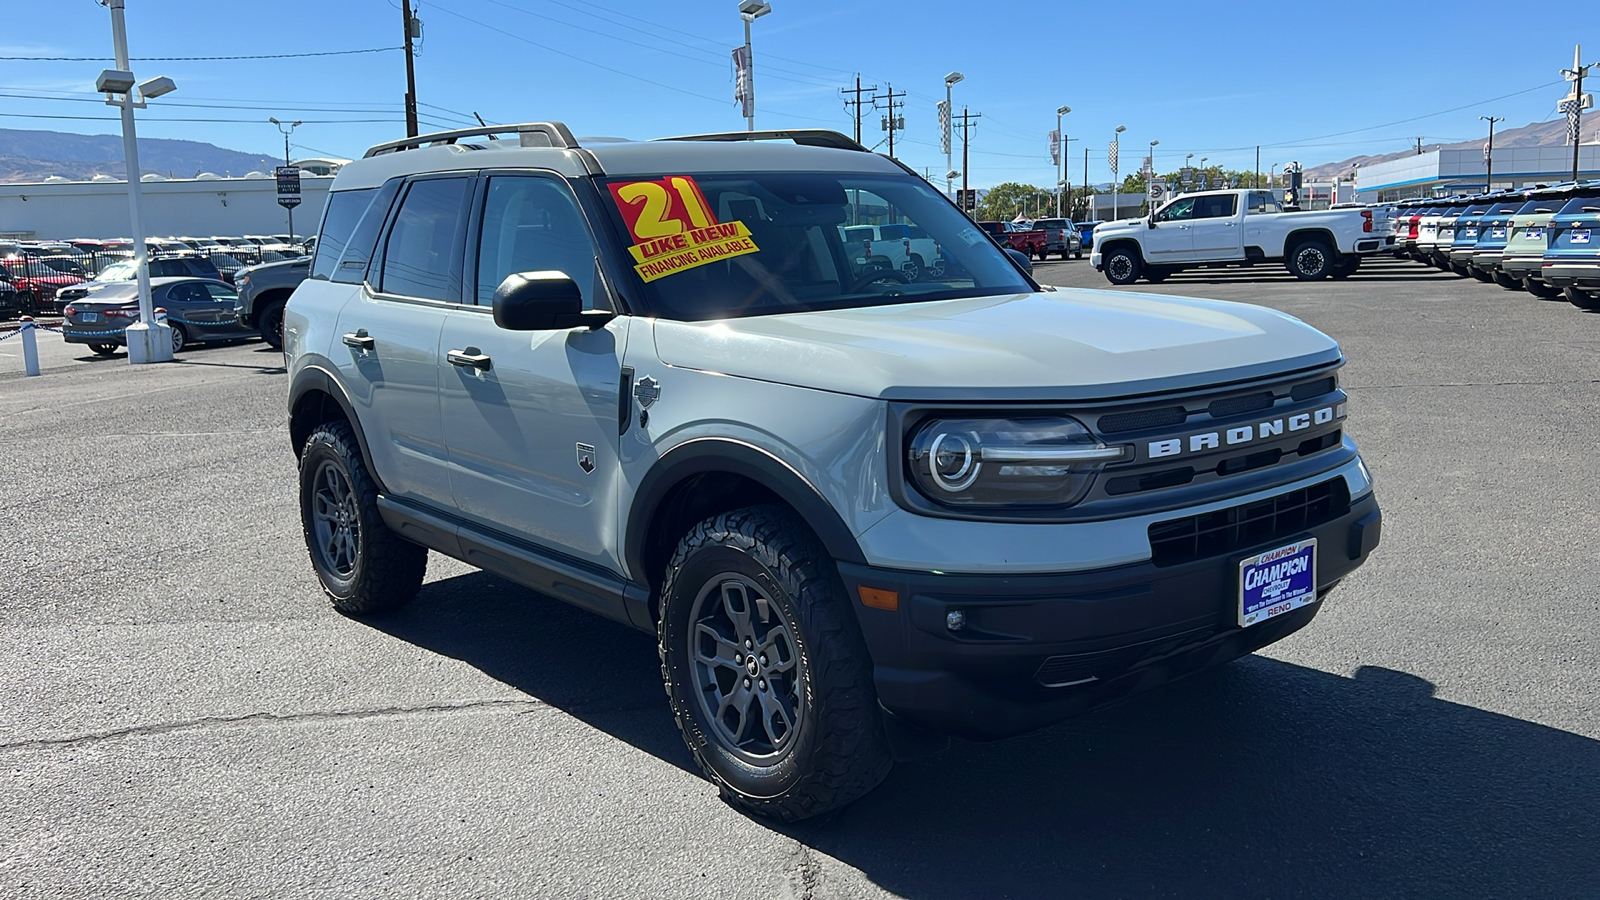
(1306, 87)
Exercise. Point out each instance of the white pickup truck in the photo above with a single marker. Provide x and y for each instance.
(1219, 228)
(904, 248)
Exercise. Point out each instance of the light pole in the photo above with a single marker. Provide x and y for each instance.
(1116, 151)
(286, 132)
(1204, 173)
(1061, 156)
(148, 340)
(1488, 153)
(749, 11)
(1150, 175)
(1188, 170)
(950, 81)
(1272, 176)
(1575, 75)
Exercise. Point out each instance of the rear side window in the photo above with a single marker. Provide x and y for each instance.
(352, 267)
(345, 209)
(1216, 206)
(420, 259)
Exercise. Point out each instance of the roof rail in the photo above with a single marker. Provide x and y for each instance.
(810, 137)
(534, 134)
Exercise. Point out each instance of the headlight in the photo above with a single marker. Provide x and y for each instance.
(1018, 462)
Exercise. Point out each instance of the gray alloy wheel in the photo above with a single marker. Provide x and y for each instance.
(912, 269)
(1122, 266)
(747, 672)
(179, 336)
(335, 526)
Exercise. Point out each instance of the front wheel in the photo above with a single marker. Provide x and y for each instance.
(1311, 261)
(180, 338)
(270, 321)
(766, 671)
(1122, 265)
(363, 566)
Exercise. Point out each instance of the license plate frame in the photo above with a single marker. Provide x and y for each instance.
(1580, 236)
(89, 318)
(1265, 594)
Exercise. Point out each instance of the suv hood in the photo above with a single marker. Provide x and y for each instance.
(1066, 345)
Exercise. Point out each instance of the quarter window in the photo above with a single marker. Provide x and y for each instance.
(533, 224)
(419, 260)
(338, 223)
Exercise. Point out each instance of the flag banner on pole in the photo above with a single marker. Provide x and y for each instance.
(1111, 157)
(741, 82)
(944, 126)
(1570, 107)
(1055, 148)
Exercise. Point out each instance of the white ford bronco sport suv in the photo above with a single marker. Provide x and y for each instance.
(649, 379)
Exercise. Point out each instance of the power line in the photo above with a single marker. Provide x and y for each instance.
(858, 103)
(171, 119)
(194, 58)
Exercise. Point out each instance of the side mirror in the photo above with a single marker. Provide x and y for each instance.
(1151, 221)
(1021, 259)
(543, 301)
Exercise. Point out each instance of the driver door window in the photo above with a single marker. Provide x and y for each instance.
(533, 224)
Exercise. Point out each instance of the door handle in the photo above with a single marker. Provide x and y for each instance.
(1230, 224)
(358, 340)
(469, 358)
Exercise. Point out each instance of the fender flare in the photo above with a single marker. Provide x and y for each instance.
(314, 377)
(703, 455)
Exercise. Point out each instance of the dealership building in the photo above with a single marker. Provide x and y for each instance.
(206, 205)
(1448, 172)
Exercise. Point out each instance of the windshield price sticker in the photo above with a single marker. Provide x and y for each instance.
(673, 228)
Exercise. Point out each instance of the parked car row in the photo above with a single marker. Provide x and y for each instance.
(198, 310)
(1544, 240)
(40, 277)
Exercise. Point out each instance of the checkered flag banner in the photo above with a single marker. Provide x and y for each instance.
(1111, 157)
(944, 127)
(1055, 148)
(1570, 107)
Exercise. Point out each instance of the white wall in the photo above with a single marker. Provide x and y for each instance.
(188, 207)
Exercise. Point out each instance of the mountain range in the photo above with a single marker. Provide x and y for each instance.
(1534, 134)
(30, 156)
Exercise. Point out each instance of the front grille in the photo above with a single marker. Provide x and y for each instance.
(1233, 406)
(1116, 423)
(1311, 389)
(1178, 541)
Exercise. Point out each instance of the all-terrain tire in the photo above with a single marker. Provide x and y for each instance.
(1122, 265)
(384, 571)
(1311, 260)
(836, 750)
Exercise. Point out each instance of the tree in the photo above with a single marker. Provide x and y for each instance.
(1004, 201)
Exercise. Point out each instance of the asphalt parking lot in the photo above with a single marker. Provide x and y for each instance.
(184, 715)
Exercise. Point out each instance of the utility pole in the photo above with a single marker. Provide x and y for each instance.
(411, 71)
(1419, 146)
(1488, 153)
(966, 119)
(1574, 103)
(1086, 210)
(857, 102)
(892, 122)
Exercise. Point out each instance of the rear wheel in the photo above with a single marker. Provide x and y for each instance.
(1077, 254)
(1540, 289)
(1507, 282)
(1583, 299)
(768, 677)
(1156, 274)
(103, 349)
(1122, 265)
(1310, 260)
(179, 337)
(363, 566)
(270, 322)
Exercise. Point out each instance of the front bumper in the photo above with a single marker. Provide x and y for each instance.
(1569, 274)
(1100, 635)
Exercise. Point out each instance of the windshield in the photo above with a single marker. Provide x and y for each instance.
(714, 246)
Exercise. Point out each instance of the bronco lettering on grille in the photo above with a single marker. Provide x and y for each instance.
(1244, 434)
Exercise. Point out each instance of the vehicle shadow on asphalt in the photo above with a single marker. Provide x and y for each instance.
(1263, 778)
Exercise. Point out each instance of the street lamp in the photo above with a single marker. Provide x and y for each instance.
(1488, 153)
(148, 340)
(1188, 169)
(749, 11)
(1204, 173)
(1272, 176)
(1150, 172)
(1115, 153)
(286, 132)
(950, 81)
(1061, 156)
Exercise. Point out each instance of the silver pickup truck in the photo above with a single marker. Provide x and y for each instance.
(1244, 227)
